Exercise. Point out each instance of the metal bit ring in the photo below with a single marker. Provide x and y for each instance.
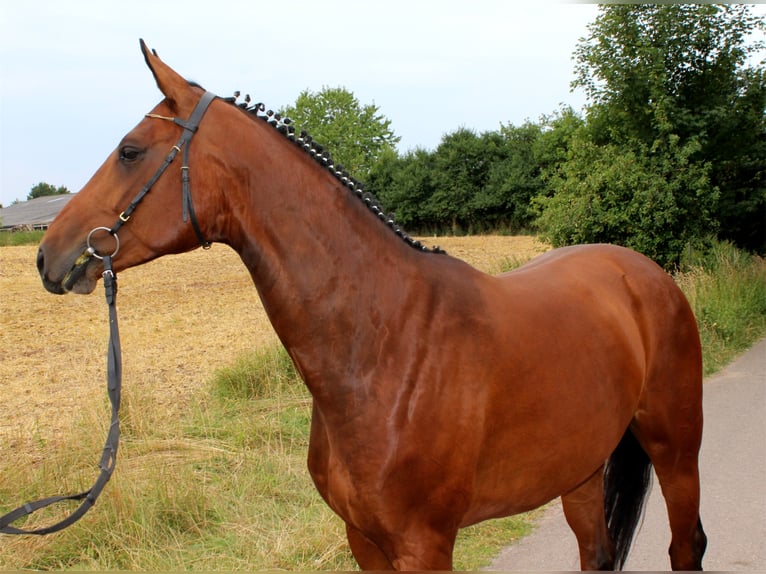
(92, 250)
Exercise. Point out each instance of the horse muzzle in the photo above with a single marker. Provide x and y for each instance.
(81, 276)
(76, 279)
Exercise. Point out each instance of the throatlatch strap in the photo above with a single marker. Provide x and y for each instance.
(190, 128)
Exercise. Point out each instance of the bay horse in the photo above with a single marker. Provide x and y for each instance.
(442, 396)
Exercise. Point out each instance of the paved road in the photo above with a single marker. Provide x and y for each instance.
(733, 467)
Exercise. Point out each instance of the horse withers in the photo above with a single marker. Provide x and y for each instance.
(442, 396)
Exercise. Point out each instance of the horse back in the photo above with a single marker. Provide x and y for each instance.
(607, 303)
(610, 283)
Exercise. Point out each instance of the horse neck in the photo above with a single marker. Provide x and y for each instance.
(325, 267)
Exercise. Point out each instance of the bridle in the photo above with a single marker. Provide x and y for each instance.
(114, 354)
(190, 127)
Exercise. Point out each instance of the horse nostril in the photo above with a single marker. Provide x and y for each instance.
(40, 260)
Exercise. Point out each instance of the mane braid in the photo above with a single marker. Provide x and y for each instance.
(322, 157)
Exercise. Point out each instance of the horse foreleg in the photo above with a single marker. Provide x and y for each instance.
(417, 549)
(584, 511)
(366, 553)
(421, 548)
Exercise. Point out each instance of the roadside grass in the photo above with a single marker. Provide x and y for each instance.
(726, 288)
(227, 488)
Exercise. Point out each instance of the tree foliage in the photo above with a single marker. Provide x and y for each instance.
(654, 203)
(469, 183)
(462, 164)
(42, 189)
(356, 135)
(404, 185)
(670, 87)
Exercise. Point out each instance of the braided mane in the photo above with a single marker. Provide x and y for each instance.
(285, 126)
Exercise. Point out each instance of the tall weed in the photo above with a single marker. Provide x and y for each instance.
(726, 288)
(266, 373)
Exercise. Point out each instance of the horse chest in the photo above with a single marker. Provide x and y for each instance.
(374, 478)
(341, 479)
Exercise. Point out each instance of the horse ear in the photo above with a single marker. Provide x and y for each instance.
(175, 88)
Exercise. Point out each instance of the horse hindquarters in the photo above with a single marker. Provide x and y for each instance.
(668, 419)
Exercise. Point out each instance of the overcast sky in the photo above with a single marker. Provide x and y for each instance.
(73, 82)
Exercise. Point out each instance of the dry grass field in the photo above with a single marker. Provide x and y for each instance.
(181, 317)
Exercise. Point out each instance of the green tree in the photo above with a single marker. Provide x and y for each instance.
(513, 178)
(660, 73)
(658, 164)
(461, 163)
(356, 135)
(557, 132)
(43, 189)
(470, 182)
(654, 203)
(404, 184)
(658, 68)
(736, 147)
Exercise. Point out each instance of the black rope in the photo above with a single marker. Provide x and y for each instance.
(109, 454)
(114, 353)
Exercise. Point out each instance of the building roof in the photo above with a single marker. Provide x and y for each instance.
(36, 213)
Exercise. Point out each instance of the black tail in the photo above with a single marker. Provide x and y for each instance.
(627, 480)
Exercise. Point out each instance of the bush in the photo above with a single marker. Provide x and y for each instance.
(654, 203)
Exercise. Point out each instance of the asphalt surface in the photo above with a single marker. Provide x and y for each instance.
(733, 475)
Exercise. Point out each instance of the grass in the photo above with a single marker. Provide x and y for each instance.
(229, 492)
(223, 485)
(16, 238)
(726, 288)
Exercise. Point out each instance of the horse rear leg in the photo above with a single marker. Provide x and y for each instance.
(678, 474)
(584, 511)
(669, 427)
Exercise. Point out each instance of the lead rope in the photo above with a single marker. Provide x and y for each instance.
(114, 354)
(109, 455)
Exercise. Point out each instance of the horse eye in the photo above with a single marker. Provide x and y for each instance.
(129, 154)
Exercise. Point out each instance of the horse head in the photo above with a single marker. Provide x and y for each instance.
(86, 229)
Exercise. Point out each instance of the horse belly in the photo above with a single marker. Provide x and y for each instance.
(554, 419)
